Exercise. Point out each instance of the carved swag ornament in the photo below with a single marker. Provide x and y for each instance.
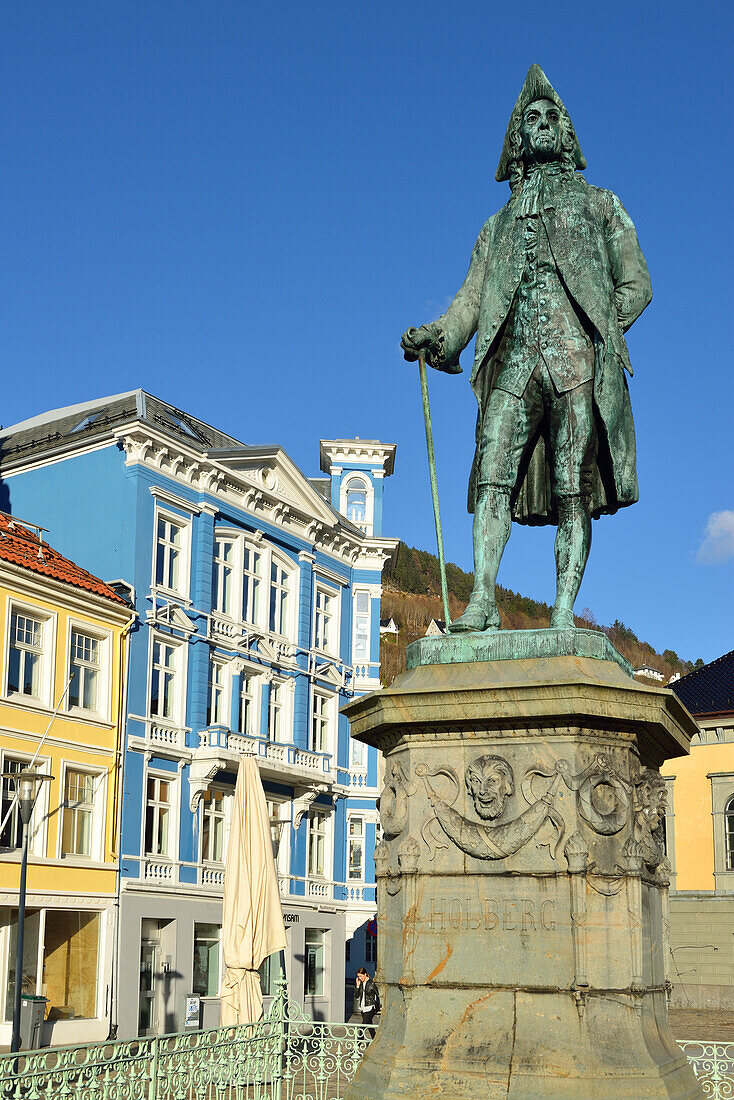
(489, 781)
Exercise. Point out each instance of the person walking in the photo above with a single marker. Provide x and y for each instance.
(366, 997)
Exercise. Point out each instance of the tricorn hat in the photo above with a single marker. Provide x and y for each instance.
(536, 86)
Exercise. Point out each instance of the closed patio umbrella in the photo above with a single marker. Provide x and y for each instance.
(252, 918)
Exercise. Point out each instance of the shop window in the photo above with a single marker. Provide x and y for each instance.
(212, 826)
(31, 940)
(66, 943)
(77, 814)
(269, 974)
(207, 942)
(314, 962)
(70, 964)
(356, 848)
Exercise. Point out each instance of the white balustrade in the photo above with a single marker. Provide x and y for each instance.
(170, 736)
(212, 876)
(158, 870)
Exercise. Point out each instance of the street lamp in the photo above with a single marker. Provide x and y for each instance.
(27, 788)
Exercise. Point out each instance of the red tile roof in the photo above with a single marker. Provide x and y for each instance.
(22, 546)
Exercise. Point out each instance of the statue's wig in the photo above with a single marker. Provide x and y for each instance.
(569, 145)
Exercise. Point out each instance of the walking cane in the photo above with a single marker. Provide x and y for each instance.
(434, 484)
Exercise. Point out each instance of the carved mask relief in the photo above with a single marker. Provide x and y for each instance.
(490, 782)
(650, 804)
(393, 800)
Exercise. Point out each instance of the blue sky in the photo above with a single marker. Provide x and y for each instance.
(240, 207)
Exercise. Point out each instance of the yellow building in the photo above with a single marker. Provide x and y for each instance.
(63, 661)
(700, 840)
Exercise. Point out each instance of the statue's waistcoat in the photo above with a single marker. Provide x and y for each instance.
(543, 324)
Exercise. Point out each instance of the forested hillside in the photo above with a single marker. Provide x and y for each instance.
(412, 597)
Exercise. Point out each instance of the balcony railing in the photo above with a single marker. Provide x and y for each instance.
(284, 754)
(160, 870)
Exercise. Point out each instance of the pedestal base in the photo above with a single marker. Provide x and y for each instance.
(522, 883)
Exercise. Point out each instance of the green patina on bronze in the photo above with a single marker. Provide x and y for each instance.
(556, 278)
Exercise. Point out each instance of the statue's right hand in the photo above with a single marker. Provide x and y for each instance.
(416, 340)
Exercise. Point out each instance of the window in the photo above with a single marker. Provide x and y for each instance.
(370, 947)
(246, 724)
(279, 585)
(223, 576)
(77, 814)
(84, 670)
(278, 827)
(25, 664)
(251, 573)
(12, 832)
(212, 826)
(324, 624)
(216, 709)
(269, 974)
(313, 984)
(317, 842)
(729, 829)
(158, 816)
(60, 960)
(358, 755)
(277, 711)
(164, 681)
(356, 848)
(357, 502)
(361, 642)
(207, 939)
(169, 556)
(320, 716)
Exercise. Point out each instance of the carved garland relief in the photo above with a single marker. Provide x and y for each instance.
(605, 802)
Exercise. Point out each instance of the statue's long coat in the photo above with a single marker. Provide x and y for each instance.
(595, 248)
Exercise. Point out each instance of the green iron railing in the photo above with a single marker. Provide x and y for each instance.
(286, 1056)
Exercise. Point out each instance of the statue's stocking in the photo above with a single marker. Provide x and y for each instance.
(573, 541)
(492, 522)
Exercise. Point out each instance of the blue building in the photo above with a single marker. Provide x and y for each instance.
(257, 593)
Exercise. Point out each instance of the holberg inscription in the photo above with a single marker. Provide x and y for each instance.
(491, 914)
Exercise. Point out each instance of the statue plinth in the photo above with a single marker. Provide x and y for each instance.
(522, 880)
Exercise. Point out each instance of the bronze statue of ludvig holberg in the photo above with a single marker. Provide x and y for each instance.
(555, 280)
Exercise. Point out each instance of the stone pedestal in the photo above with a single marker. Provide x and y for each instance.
(522, 880)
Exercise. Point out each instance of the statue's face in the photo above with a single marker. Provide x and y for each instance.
(541, 131)
(490, 786)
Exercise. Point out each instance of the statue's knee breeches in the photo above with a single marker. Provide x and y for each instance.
(508, 425)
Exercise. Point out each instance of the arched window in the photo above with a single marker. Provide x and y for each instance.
(357, 501)
(729, 833)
